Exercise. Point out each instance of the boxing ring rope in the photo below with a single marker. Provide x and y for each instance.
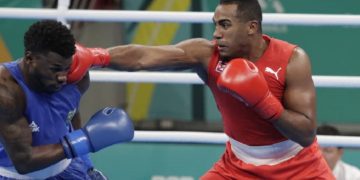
(192, 78)
(221, 138)
(63, 14)
(177, 17)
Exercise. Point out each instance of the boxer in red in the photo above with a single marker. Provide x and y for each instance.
(262, 86)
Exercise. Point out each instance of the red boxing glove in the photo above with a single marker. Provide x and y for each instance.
(85, 58)
(243, 80)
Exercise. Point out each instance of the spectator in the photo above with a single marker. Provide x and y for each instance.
(333, 156)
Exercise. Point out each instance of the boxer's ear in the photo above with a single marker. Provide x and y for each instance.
(28, 57)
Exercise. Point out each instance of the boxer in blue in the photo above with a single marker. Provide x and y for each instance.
(39, 112)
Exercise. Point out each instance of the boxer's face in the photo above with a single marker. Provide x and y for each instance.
(47, 71)
(232, 33)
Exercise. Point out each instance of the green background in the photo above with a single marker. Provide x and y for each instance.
(332, 49)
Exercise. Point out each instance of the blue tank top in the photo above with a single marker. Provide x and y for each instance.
(49, 115)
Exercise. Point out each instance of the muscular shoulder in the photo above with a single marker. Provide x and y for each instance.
(12, 98)
(198, 48)
(200, 42)
(299, 54)
(299, 59)
(299, 67)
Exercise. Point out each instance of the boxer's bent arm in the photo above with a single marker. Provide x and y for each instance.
(16, 135)
(83, 86)
(139, 57)
(76, 121)
(298, 121)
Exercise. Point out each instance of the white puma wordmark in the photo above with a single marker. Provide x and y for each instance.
(271, 71)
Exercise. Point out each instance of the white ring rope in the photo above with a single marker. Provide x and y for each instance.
(179, 17)
(64, 14)
(192, 78)
(221, 138)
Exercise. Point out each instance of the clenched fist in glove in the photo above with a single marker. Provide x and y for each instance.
(107, 127)
(243, 80)
(85, 58)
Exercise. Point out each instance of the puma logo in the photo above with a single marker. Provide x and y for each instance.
(220, 66)
(271, 71)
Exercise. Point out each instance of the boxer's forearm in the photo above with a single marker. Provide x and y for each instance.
(126, 57)
(39, 158)
(297, 127)
(140, 57)
(76, 121)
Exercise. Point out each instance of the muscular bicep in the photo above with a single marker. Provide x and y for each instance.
(300, 91)
(16, 138)
(139, 57)
(14, 128)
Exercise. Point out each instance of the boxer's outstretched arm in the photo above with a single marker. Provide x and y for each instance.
(140, 57)
(134, 57)
(298, 121)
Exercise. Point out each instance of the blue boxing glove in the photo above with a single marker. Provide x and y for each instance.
(105, 128)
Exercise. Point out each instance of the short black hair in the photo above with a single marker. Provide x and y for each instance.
(247, 9)
(49, 35)
(327, 130)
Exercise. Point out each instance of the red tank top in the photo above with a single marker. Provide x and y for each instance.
(240, 122)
